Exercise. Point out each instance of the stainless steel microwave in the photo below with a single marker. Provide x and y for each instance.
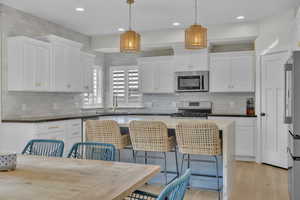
(192, 81)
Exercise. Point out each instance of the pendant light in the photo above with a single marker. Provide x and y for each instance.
(196, 35)
(130, 41)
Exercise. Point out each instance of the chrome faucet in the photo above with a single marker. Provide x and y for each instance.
(115, 103)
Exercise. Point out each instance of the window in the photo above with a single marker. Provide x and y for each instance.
(94, 98)
(125, 86)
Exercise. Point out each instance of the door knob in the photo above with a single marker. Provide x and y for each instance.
(262, 114)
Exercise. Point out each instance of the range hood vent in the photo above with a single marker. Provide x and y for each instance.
(167, 51)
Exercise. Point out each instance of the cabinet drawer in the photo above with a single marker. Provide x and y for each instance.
(52, 136)
(50, 127)
(74, 133)
(245, 122)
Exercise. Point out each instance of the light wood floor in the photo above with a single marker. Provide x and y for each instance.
(252, 182)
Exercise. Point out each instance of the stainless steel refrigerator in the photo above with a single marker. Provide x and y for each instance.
(292, 118)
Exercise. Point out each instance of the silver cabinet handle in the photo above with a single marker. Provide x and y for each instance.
(287, 68)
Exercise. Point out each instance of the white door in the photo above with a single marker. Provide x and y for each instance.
(242, 73)
(220, 74)
(274, 131)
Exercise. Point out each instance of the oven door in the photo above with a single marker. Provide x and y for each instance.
(293, 176)
(190, 83)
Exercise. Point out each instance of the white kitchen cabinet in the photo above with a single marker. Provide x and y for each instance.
(65, 70)
(29, 64)
(232, 72)
(157, 74)
(14, 136)
(245, 136)
(192, 61)
(87, 64)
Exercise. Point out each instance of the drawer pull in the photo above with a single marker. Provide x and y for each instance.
(53, 127)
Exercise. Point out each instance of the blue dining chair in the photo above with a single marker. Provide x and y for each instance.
(93, 151)
(40, 147)
(173, 191)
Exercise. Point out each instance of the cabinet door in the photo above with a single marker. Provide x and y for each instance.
(42, 70)
(164, 77)
(242, 73)
(147, 77)
(74, 75)
(244, 141)
(220, 74)
(60, 68)
(182, 63)
(87, 63)
(29, 66)
(199, 60)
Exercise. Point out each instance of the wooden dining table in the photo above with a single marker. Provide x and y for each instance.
(45, 178)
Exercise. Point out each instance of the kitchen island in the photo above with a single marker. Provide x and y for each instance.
(228, 145)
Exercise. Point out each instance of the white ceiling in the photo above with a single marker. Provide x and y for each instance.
(106, 16)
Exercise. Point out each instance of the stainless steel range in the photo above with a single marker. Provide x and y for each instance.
(198, 109)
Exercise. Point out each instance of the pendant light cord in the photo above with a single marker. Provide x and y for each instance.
(130, 17)
(196, 11)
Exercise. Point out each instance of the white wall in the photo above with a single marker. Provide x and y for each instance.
(275, 33)
(110, 43)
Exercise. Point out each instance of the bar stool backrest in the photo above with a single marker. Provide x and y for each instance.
(104, 131)
(200, 138)
(42, 147)
(149, 136)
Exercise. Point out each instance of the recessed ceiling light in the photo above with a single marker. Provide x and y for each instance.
(176, 24)
(80, 9)
(240, 17)
(121, 29)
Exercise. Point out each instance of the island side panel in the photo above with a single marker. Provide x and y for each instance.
(228, 158)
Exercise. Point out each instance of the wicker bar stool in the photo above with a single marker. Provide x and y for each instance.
(106, 131)
(199, 138)
(152, 136)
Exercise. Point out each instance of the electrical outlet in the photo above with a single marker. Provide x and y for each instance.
(55, 106)
(24, 107)
(231, 104)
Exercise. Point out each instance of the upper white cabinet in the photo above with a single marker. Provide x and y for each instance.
(87, 64)
(29, 64)
(54, 66)
(232, 72)
(66, 69)
(296, 33)
(157, 74)
(191, 61)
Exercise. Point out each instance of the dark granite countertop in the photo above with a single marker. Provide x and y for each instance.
(95, 115)
(40, 119)
(230, 115)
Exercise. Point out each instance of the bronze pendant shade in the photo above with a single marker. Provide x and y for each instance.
(196, 35)
(130, 41)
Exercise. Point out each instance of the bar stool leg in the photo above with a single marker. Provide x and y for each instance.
(165, 168)
(146, 160)
(134, 157)
(217, 170)
(119, 154)
(182, 162)
(189, 166)
(176, 160)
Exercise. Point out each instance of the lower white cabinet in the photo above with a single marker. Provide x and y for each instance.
(245, 136)
(157, 74)
(14, 136)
